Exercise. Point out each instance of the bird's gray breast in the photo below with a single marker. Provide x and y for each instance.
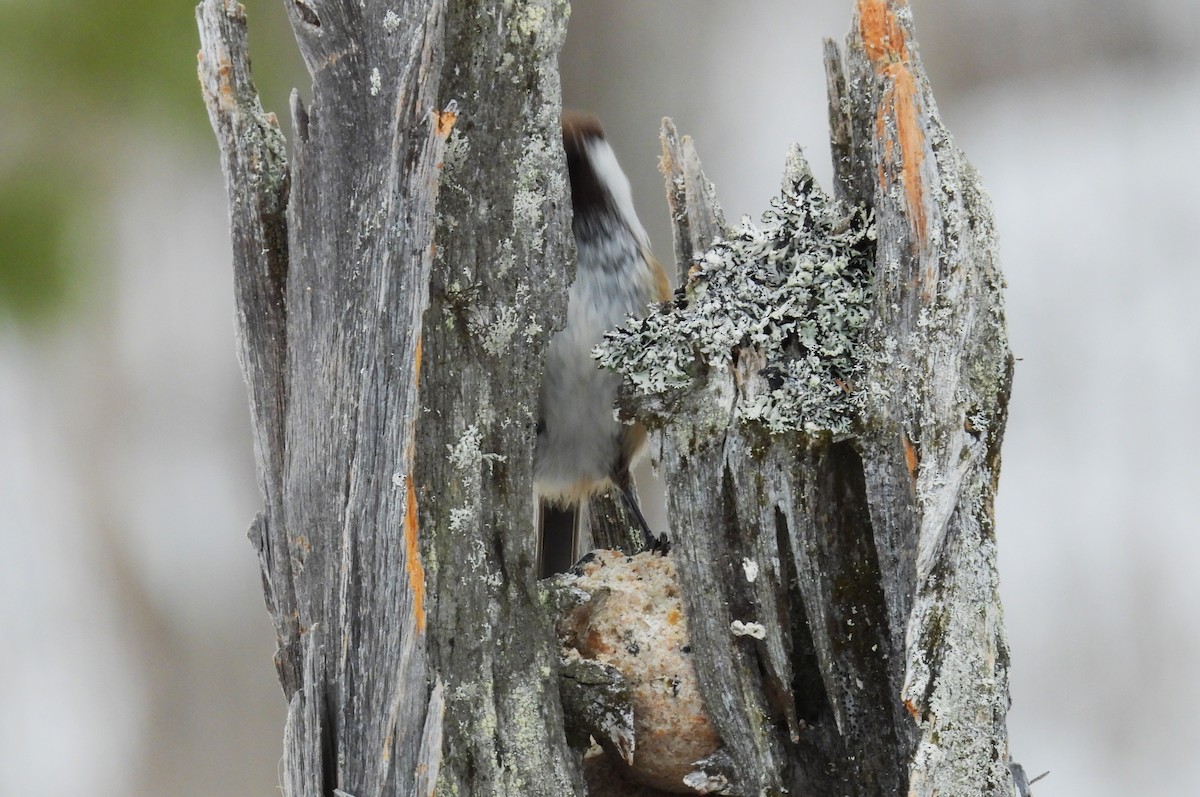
(580, 439)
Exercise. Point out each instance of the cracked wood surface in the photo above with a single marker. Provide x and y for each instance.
(884, 668)
(393, 452)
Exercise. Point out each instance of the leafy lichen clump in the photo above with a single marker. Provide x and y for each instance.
(791, 296)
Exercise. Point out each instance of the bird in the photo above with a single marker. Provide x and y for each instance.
(581, 449)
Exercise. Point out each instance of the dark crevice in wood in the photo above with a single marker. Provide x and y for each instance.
(808, 689)
(307, 13)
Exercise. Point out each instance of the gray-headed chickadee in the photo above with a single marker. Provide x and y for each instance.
(582, 450)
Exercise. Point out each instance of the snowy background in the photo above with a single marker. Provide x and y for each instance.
(135, 652)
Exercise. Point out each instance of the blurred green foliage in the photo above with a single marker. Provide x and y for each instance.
(77, 77)
(33, 274)
(111, 57)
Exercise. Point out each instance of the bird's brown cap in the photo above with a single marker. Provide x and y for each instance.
(588, 195)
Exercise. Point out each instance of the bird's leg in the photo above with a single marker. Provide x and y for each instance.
(650, 541)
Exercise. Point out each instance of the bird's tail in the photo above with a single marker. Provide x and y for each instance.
(558, 537)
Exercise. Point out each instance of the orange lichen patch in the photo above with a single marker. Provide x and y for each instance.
(911, 458)
(885, 43)
(225, 96)
(880, 31)
(443, 122)
(417, 362)
(912, 142)
(416, 573)
(899, 103)
(912, 708)
(412, 551)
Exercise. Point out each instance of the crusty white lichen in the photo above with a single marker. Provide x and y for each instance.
(500, 332)
(540, 184)
(751, 629)
(792, 296)
(466, 454)
(458, 147)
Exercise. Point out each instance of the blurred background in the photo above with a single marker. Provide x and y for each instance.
(135, 652)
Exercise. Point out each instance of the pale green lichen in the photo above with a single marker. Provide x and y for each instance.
(540, 184)
(500, 332)
(460, 518)
(458, 146)
(466, 455)
(792, 296)
(529, 21)
(505, 257)
(267, 168)
(533, 330)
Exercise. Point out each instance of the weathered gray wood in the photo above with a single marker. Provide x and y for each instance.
(396, 285)
(254, 160)
(396, 538)
(742, 505)
(497, 291)
(931, 444)
(866, 551)
(696, 217)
